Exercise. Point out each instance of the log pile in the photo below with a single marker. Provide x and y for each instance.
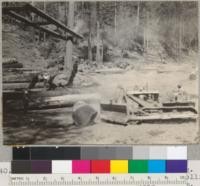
(11, 63)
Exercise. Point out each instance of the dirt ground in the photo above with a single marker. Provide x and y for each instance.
(55, 126)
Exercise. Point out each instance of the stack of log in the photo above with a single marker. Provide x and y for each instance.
(11, 63)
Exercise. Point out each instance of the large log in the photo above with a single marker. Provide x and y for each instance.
(39, 92)
(24, 69)
(9, 61)
(13, 78)
(13, 65)
(18, 95)
(18, 86)
(84, 114)
(16, 81)
(64, 101)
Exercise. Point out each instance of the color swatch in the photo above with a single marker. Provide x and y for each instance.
(81, 166)
(62, 167)
(99, 166)
(41, 167)
(176, 166)
(156, 166)
(119, 166)
(138, 166)
(176, 152)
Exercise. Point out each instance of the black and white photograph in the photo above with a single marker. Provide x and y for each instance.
(100, 72)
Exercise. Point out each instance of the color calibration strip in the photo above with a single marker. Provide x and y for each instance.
(98, 166)
(101, 153)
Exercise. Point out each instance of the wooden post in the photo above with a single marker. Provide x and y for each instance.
(69, 44)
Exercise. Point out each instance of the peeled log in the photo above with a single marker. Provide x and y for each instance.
(14, 65)
(64, 101)
(9, 60)
(14, 86)
(84, 114)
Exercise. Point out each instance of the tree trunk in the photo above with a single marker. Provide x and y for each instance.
(98, 46)
(69, 44)
(44, 35)
(101, 54)
(90, 45)
(92, 29)
(61, 15)
(115, 23)
(144, 36)
(32, 19)
(180, 33)
(138, 14)
(147, 31)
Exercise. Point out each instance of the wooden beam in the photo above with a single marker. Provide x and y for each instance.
(42, 23)
(12, 8)
(26, 21)
(52, 20)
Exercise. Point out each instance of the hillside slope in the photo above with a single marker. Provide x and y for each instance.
(17, 43)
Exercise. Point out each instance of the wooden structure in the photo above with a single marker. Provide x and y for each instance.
(21, 13)
(15, 13)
